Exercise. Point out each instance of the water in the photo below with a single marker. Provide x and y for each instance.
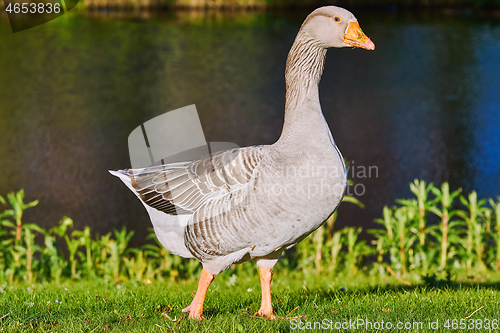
(425, 104)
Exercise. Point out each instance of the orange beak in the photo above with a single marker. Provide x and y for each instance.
(357, 38)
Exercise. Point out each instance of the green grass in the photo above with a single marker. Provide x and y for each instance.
(97, 306)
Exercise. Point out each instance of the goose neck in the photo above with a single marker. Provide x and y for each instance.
(304, 67)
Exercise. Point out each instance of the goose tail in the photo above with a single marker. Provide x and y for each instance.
(169, 229)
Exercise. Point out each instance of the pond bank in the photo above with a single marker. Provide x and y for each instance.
(270, 4)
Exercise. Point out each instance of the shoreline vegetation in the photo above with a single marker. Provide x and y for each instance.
(391, 5)
(436, 235)
(264, 5)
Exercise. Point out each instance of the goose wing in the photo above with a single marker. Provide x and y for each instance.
(182, 188)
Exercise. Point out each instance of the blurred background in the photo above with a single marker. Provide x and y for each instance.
(425, 104)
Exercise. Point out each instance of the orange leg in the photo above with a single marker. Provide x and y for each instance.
(196, 307)
(266, 307)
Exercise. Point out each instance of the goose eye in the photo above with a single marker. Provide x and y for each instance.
(337, 19)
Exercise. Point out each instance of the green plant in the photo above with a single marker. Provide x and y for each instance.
(496, 235)
(29, 248)
(73, 242)
(384, 238)
(421, 190)
(86, 240)
(356, 250)
(137, 265)
(466, 235)
(401, 218)
(100, 250)
(117, 249)
(18, 205)
(13, 246)
(474, 242)
(52, 256)
(335, 243)
(446, 213)
(397, 238)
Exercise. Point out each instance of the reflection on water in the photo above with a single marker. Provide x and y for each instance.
(425, 104)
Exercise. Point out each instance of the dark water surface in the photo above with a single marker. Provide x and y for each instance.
(425, 104)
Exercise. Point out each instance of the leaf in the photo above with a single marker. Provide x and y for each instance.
(464, 201)
(31, 204)
(32, 226)
(462, 214)
(353, 200)
(452, 213)
(436, 211)
(7, 213)
(7, 223)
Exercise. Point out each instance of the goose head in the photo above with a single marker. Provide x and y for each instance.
(332, 26)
